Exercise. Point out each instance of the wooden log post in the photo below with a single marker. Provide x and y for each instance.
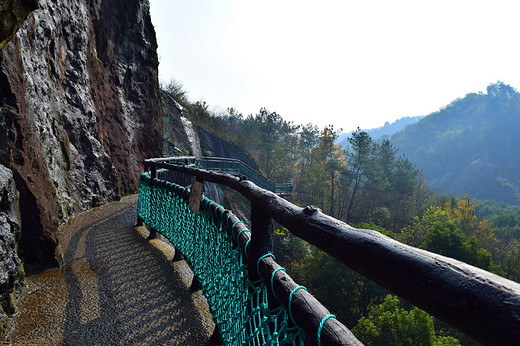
(140, 221)
(261, 242)
(261, 245)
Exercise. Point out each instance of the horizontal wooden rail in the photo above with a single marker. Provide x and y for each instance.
(483, 305)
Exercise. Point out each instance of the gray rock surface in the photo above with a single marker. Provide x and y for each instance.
(9, 231)
(179, 135)
(215, 146)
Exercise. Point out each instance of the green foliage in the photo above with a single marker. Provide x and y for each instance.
(445, 238)
(413, 234)
(271, 140)
(289, 250)
(383, 187)
(176, 90)
(491, 209)
(319, 169)
(506, 222)
(389, 324)
(454, 229)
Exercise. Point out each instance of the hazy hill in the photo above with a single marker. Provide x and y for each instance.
(471, 145)
(385, 131)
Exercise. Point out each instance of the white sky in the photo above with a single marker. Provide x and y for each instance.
(347, 63)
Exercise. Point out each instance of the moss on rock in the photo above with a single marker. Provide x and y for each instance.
(12, 15)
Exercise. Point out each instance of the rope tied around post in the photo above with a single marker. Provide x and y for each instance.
(239, 233)
(261, 258)
(272, 281)
(321, 326)
(290, 302)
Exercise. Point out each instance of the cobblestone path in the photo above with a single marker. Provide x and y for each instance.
(114, 288)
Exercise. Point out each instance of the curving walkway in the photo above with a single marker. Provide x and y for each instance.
(114, 288)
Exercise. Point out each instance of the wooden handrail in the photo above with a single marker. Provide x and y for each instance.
(483, 305)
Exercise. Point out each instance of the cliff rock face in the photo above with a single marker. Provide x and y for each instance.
(80, 109)
(179, 136)
(214, 146)
(9, 231)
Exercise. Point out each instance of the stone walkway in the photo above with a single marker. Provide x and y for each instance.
(114, 288)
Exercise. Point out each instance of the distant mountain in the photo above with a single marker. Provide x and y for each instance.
(472, 145)
(385, 131)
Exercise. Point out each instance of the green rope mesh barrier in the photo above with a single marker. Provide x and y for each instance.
(239, 307)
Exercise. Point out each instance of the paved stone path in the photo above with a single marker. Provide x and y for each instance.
(114, 288)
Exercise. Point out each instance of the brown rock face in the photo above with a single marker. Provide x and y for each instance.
(80, 109)
(122, 42)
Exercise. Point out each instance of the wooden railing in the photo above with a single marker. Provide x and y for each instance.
(484, 306)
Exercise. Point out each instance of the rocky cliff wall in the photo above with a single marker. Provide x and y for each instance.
(182, 138)
(213, 146)
(9, 237)
(179, 135)
(80, 109)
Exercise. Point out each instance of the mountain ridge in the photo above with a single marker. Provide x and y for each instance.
(382, 132)
(471, 145)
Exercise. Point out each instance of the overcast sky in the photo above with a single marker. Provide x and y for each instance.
(346, 63)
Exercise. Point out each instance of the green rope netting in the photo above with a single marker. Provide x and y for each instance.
(239, 307)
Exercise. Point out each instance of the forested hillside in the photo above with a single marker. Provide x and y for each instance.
(472, 145)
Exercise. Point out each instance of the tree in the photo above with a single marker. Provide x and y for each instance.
(445, 238)
(414, 233)
(308, 138)
(507, 253)
(360, 143)
(331, 156)
(271, 140)
(462, 212)
(379, 186)
(177, 91)
(347, 293)
(389, 324)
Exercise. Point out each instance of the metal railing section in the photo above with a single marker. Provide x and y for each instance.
(232, 166)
